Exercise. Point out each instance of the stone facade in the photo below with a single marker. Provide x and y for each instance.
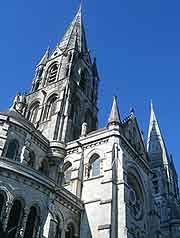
(61, 177)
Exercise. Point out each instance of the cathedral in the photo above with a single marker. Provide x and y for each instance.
(63, 177)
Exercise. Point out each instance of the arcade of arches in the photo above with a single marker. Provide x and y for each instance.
(20, 221)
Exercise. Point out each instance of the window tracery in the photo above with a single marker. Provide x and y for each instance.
(52, 73)
(136, 199)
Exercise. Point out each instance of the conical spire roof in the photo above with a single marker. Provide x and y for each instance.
(114, 116)
(75, 35)
(155, 138)
(154, 130)
(45, 58)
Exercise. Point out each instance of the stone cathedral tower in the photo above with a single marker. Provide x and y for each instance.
(62, 177)
(164, 179)
(65, 86)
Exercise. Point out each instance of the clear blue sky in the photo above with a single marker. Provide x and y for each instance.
(137, 44)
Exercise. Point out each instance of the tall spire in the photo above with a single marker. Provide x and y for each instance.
(75, 34)
(114, 117)
(156, 144)
(154, 130)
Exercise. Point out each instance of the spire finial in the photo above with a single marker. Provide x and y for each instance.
(152, 108)
(80, 6)
(114, 115)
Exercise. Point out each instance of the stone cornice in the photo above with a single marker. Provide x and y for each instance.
(31, 177)
(14, 123)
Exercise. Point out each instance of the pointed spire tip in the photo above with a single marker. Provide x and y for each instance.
(114, 115)
(151, 103)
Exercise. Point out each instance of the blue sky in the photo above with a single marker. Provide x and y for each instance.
(137, 45)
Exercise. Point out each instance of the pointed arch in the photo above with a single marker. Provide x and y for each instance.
(15, 217)
(51, 106)
(33, 112)
(67, 168)
(32, 223)
(94, 166)
(137, 195)
(52, 72)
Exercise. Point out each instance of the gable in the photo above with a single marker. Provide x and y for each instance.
(134, 135)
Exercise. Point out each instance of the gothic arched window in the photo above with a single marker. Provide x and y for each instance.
(13, 149)
(33, 111)
(94, 166)
(32, 223)
(67, 172)
(52, 72)
(14, 218)
(50, 107)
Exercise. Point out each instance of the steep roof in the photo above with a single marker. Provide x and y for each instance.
(75, 35)
(156, 144)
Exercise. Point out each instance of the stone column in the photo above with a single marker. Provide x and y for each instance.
(6, 213)
(63, 233)
(24, 221)
(40, 228)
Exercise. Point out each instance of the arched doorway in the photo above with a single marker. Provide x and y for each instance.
(14, 219)
(32, 224)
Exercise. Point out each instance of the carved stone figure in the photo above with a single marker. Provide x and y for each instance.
(84, 129)
(25, 154)
(19, 103)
